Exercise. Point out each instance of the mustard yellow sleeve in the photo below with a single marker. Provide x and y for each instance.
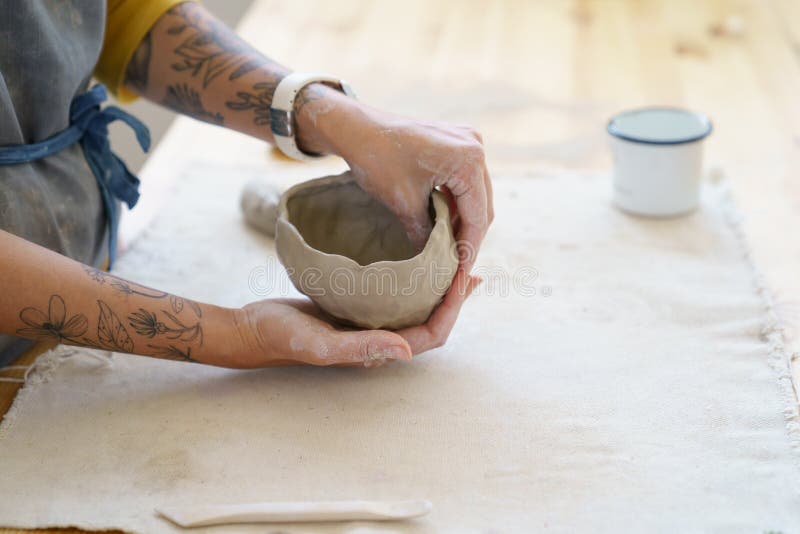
(127, 22)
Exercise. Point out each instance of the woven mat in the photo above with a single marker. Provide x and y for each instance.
(8, 392)
(629, 375)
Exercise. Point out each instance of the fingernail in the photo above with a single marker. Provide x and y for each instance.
(476, 283)
(399, 353)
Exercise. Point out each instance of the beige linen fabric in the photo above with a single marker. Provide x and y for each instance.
(641, 388)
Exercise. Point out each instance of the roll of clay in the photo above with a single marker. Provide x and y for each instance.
(350, 254)
(259, 202)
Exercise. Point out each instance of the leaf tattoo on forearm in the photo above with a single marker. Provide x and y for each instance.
(148, 324)
(57, 325)
(210, 49)
(195, 308)
(124, 286)
(185, 100)
(176, 303)
(54, 325)
(259, 101)
(171, 352)
(132, 288)
(111, 333)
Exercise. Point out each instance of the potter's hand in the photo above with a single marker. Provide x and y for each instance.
(437, 328)
(292, 332)
(398, 160)
(280, 332)
(401, 160)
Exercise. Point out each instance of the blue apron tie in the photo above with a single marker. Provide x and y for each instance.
(89, 125)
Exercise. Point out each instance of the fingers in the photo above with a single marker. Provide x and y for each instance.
(472, 132)
(322, 344)
(451, 204)
(369, 348)
(417, 227)
(471, 200)
(472, 189)
(435, 331)
(297, 332)
(487, 180)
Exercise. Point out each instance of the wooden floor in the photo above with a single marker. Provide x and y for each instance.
(540, 79)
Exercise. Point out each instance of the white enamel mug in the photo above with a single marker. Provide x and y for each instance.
(658, 160)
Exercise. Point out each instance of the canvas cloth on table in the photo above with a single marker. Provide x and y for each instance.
(641, 386)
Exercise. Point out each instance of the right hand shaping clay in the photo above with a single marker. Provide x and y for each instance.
(350, 254)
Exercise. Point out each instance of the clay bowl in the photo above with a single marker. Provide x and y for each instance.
(352, 257)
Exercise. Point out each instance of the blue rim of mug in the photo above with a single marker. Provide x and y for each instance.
(611, 128)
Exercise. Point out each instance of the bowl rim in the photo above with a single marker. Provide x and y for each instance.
(441, 210)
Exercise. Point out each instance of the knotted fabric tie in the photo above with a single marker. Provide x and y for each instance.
(89, 126)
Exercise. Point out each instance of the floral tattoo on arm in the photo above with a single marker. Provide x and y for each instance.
(209, 49)
(56, 325)
(172, 335)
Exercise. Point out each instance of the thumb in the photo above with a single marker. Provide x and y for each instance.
(418, 227)
(367, 347)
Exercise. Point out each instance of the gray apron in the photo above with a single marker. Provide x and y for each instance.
(48, 50)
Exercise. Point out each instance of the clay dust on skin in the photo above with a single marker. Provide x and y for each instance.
(375, 357)
(322, 108)
(393, 137)
(450, 174)
(302, 345)
(305, 345)
(418, 228)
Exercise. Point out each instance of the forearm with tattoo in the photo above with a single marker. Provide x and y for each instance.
(194, 64)
(92, 308)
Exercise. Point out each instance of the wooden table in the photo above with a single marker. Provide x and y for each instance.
(540, 80)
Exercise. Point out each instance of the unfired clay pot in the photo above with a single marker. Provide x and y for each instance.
(351, 255)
